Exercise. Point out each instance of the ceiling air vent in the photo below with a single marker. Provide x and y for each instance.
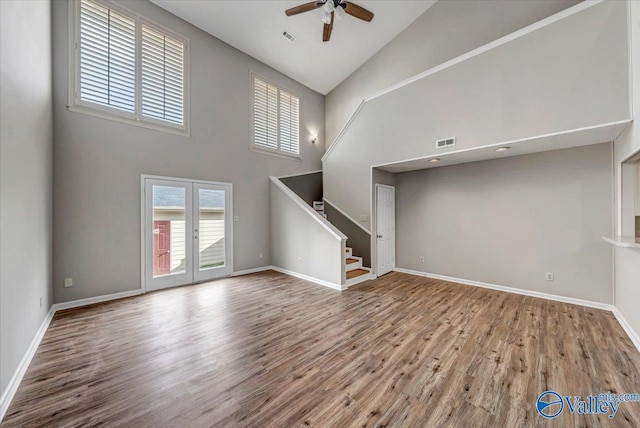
(288, 35)
(447, 142)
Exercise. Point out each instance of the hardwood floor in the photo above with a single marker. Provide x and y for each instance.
(269, 350)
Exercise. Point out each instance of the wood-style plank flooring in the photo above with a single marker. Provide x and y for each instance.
(269, 350)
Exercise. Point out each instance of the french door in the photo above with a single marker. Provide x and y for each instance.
(186, 231)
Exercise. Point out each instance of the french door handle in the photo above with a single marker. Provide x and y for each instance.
(379, 236)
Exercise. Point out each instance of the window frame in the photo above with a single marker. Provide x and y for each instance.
(262, 149)
(76, 104)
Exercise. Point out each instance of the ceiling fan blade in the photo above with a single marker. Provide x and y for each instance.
(357, 11)
(303, 8)
(326, 32)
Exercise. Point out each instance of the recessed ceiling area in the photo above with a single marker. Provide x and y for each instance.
(256, 26)
(564, 140)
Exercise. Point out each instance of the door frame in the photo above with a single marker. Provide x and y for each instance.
(143, 224)
(374, 227)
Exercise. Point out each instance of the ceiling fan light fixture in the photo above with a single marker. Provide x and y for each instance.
(326, 18)
(329, 7)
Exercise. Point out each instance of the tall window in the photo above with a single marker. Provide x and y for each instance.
(127, 68)
(276, 122)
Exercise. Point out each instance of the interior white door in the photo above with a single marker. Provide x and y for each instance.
(385, 229)
(187, 232)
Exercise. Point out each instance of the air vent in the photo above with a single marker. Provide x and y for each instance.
(288, 35)
(447, 142)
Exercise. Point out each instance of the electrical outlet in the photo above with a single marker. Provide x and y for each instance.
(421, 259)
(549, 276)
(236, 218)
(363, 217)
(68, 282)
(299, 260)
(260, 255)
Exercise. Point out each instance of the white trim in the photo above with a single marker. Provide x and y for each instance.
(630, 55)
(507, 143)
(12, 387)
(555, 297)
(635, 339)
(344, 129)
(623, 241)
(307, 208)
(250, 271)
(93, 300)
(482, 49)
(277, 153)
(346, 215)
(309, 278)
(299, 174)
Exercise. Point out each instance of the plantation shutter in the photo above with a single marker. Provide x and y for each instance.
(107, 57)
(265, 114)
(289, 106)
(162, 76)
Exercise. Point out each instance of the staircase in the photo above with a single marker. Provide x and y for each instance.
(319, 207)
(355, 272)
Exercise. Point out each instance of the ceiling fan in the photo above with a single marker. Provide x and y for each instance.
(331, 9)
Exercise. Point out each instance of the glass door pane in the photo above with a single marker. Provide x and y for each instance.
(211, 229)
(169, 230)
(168, 237)
(212, 219)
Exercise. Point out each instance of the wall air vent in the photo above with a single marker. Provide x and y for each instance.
(288, 35)
(447, 142)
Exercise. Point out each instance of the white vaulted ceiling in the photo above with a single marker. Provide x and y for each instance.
(256, 26)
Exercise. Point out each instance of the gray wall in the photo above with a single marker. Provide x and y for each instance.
(569, 75)
(99, 162)
(627, 260)
(448, 29)
(307, 186)
(25, 177)
(300, 244)
(358, 239)
(509, 221)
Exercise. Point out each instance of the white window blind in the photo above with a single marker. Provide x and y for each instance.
(289, 123)
(127, 68)
(107, 57)
(162, 76)
(275, 118)
(265, 114)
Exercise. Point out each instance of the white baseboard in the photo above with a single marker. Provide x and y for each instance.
(254, 270)
(571, 300)
(627, 328)
(308, 278)
(93, 300)
(9, 392)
